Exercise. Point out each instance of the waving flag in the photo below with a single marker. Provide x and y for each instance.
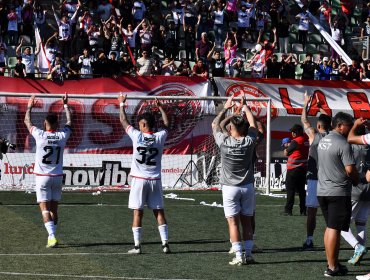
(42, 61)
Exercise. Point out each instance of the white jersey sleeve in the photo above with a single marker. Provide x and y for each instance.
(147, 153)
(49, 150)
(366, 139)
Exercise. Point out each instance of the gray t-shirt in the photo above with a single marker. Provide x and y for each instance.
(312, 156)
(361, 154)
(236, 158)
(334, 153)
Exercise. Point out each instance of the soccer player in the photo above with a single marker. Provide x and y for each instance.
(314, 136)
(146, 185)
(50, 143)
(336, 175)
(237, 152)
(360, 200)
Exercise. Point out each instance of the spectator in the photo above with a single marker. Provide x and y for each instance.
(172, 41)
(202, 48)
(218, 16)
(86, 61)
(39, 15)
(114, 65)
(189, 41)
(183, 69)
(51, 47)
(101, 67)
(244, 20)
(354, 71)
(146, 37)
(200, 69)
(168, 67)
(287, 70)
(238, 68)
(58, 71)
(12, 27)
(116, 42)
(343, 70)
(28, 21)
(304, 21)
(283, 34)
(20, 68)
(190, 13)
(230, 48)
(324, 69)
(28, 58)
(73, 68)
(93, 35)
(65, 32)
(365, 31)
(309, 68)
(80, 42)
(86, 21)
(217, 64)
(337, 35)
(105, 10)
(130, 35)
(138, 11)
(3, 51)
(334, 76)
(176, 15)
(273, 67)
(325, 15)
(203, 22)
(126, 66)
(144, 64)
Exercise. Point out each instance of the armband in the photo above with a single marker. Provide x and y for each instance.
(65, 106)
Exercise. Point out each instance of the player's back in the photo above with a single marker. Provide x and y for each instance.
(49, 150)
(147, 153)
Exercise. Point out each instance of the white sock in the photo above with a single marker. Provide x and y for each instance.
(137, 235)
(361, 234)
(348, 236)
(50, 228)
(248, 245)
(163, 231)
(237, 246)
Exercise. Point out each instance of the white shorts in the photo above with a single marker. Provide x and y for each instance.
(311, 197)
(360, 211)
(238, 200)
(145, 192)
(48, 188)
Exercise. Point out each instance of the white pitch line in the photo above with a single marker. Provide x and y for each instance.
(83, 276)
(125, 206)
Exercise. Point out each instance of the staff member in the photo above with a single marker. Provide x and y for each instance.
(297, 153)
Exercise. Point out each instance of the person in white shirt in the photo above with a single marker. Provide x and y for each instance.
(146, 185)
(304, 21)
(28, 58)
(65, 31)
(50, 143)
(85, 62)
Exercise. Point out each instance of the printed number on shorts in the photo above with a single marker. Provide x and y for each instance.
(48, 157)
(147, 155)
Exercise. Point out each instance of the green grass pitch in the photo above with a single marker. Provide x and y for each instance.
(95, 234)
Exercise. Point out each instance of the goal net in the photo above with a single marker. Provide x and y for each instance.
(98, 154)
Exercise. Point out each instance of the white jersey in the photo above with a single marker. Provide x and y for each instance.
(147, 153)
(49, 150)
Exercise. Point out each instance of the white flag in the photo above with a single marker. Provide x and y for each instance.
(42, 61)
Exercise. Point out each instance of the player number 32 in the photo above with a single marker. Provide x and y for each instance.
(147, 155)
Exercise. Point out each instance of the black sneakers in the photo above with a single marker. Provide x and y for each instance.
(166, 248)
(340, 270)
(307, 247)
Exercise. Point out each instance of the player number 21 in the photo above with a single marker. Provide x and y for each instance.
(47, 158)
(148, 159)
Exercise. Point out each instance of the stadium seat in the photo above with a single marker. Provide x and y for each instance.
(297, 48)
(177, 63)
(191, 64)
(292, 38)
(311, 48)
(294, 28)
(323, 48)
(298, 71)
(301, 57)
(182, 54)
(315, 38)
(12, 61)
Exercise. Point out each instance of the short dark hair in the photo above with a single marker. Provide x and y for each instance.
(297, 129)
(240, 124)
(360, 130)
(149, 118)
(342, 118)
(325, 121)
(52, 119)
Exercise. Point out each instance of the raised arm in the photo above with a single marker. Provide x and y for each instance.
(310, 131)
(18, 49)
(38, 48)
(66, 108)
(250, 118)
(217, 121)
(352, 137)
(166, 123)
(55, 15)
(27, 118)
(224, 123)
(122, 112)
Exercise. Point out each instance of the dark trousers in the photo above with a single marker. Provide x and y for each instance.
(295, 182)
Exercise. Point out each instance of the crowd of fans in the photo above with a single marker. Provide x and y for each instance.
(235, 38)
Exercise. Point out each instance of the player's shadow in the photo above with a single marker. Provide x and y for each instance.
(291, 249)
(96, 244)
